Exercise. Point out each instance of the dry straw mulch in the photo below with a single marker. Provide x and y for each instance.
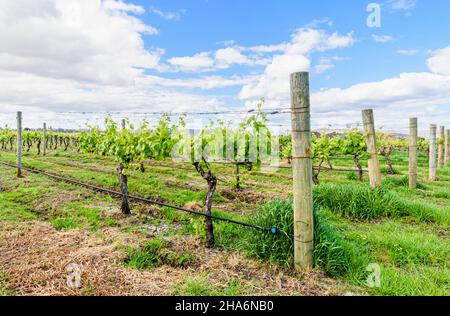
(35, 257)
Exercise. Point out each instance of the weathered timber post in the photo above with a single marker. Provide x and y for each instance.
(302, 172)
(441, 147)
(433, 131)
(447, 148)
(374, 164)
(44, 138)
(413, 153)
(19, 144)
(124, 124)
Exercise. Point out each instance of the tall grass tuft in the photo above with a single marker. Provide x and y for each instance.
(277, 248)
(392, 182)
(363, 203)
(356, 201)
(333, 253)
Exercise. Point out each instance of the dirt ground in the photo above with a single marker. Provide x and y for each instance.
(35, 258)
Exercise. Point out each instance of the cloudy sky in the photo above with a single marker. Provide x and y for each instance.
(60, 58)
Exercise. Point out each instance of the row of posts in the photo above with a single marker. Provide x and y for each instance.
(443, 151)
(302, 164)
(19, 143)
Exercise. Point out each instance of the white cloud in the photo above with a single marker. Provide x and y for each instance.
(198, 62)
(112, 5)
(230, 55)
(267, 48)
(402, 5)
(382, 38)
(86, 55)
(274, 83)
(213, 61)
(33, 93)
(82, 40)
(425, 95)
(167, 15)
(203, 83)
(408, 52)
(323, 66)
(440, 61)
(378, 94)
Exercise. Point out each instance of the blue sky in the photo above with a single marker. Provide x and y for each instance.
(204, 24)
(190, 55)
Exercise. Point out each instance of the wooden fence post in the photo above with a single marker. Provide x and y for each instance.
(413, 153)
(447, 147)
(124, 124)
(44, 138)
(441, 147)
(433, 131)
(374, 164)
(302, 172)
(19, 144)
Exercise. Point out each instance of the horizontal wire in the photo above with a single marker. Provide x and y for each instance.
(273, 230)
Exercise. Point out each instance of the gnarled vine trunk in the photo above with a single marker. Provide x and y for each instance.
(238, 178)
(316, 173)
(66, 143)
(358, 165)
(123, 182)
(29, 144)
(386, 152)
(38, 145)
(212, 185)
(141, 167)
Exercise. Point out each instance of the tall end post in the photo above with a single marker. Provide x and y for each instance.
(413, 153)
(374, 164)
(302, 172)
(432, 171)
(19, 144)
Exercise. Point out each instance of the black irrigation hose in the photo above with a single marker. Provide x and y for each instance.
(272, 230)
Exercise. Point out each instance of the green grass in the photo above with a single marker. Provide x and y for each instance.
(155, 253)
(65, 223)
(355, 201)
(333, 253)
(345, 249)
(12, 211)
(200, 285)
(194, 286)
(404, 231)
(4, 287)
(392, 182)
(362, 203)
